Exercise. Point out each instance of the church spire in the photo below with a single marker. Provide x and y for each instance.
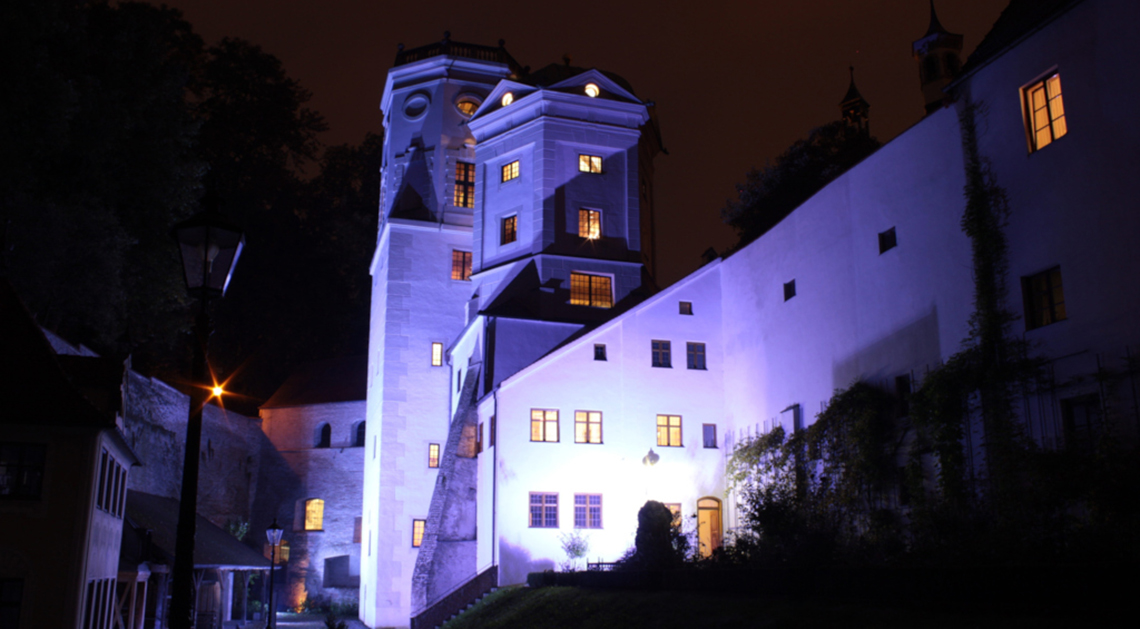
(938, 56)
(854, 107)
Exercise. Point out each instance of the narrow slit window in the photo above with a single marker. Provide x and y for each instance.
(418, 532)
(437, 354)
(433, 455)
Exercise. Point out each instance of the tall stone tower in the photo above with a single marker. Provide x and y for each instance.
(420, 284)
(939, 57)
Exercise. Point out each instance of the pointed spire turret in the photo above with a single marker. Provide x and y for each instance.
(855, 109)
(938, 54)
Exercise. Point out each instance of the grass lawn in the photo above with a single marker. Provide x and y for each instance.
(574, 608)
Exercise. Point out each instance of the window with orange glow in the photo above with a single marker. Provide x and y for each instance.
(510, 230)
(314, 514)
(418, 532)
(587, 427)
(590, 224)
(511, 171)
(675, 509)
(436, 354)
(433, 455)
(507, 99)
(1045, 112)
(543, 425)
(460, 265)
(591, 290)
(669, 430)
(590, 164)
(464, 184)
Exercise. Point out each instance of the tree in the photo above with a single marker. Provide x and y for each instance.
(771, 193)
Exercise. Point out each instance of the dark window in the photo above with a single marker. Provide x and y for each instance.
(464, 184)
(543, 510)
(887, 240)
(695, 355)
(662, 354)
(324, 436)
(789, 290)
(460, 265)
(479, 439)
(361, 431)
(510, 231)
(686, 307)
(599, 351)
(591, 290)
(491, 436)
(1044, 298)
(588, 511)
(709, 433)
(1082, 418)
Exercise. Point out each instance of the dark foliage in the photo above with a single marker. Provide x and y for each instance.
(772, 192)
(658, 543)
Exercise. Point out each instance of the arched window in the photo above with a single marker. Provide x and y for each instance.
(324, 436)
(708, 525)
(314, 514)
(360, 432)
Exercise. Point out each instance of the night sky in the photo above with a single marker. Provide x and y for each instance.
(735, 82)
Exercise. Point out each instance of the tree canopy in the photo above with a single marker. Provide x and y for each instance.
(770, 193)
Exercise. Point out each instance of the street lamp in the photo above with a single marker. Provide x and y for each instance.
(273, 534)
(210, 248)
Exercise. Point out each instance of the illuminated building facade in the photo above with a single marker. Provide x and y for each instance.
(564, 392)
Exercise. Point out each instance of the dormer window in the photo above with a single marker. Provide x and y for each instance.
(590, 164)
(467, 105)
(592, 90)
(508, 98)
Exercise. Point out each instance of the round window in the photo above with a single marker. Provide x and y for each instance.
(592, 90)
(415, 106)
(508, 98)
(467, 105)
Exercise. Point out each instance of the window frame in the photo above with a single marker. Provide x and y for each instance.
(685, 308)
(665, 437)
(461, 265)
(419, 528)
(545, 507)
(508, 228)
(591, 514)
(661, 354)
(1053, 121)
(544, 423)
(433, 456)
(705, 436)
(315, 514)
(696, 356)
(510, 171)
(464, 195)
(436, 354)
(593, 222)
(590, 164)
(586, 419)
(600, 352)
(598, 293)
(1038, 315)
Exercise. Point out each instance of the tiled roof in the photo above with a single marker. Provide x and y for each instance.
(213, 547)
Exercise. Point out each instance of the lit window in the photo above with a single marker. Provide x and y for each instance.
(599, 351)
(662, 354)
(587, 427)
(418, 532)
(695, 355)
(789, 290)
(1044, 298)
(587, 511)
(887, 240)
(508, 98)
(590, 224)
(669, 430)
(511, 171)
(543, 425)
(467, 105)
(1046, 112)
(436, 354)
(592, 90)
(591, 290)
(509, 231)
(590, 164)
(686, 307)
(314, 514)
(675, 509)
(543, 511)
(460, 265)
(708, 431)
(464, 184)
(433, 455)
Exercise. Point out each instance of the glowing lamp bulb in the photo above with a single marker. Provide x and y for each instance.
(508, 98)
(592, 90)
(217, 391)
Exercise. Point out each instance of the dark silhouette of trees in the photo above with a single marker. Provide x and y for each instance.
(772, 192)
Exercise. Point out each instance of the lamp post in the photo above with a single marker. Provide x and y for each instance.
(273, 534)
(210, 248)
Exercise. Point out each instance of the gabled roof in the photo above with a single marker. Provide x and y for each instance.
(34, 386)
(343, 379)
(1017, 20)
(554, 75)
(213, 547)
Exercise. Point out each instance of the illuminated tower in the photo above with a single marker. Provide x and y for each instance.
(419, 288)
(938, 54)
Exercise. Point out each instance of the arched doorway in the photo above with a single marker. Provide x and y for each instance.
(708, 525)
